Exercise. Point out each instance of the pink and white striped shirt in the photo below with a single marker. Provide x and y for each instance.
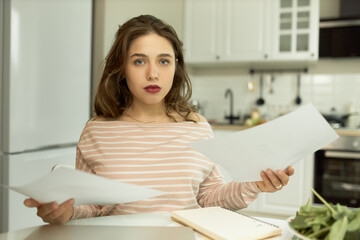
(156, 155)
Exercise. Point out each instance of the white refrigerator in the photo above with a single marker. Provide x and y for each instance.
(45, 70)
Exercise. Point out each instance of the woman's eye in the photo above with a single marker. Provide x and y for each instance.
(139, 62)
(164, 61)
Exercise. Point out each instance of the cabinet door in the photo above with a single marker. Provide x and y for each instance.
(201, 30)
(243, 30)
(296, 29)
(295, 194)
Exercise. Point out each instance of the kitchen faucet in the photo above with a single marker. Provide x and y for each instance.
(231, 117)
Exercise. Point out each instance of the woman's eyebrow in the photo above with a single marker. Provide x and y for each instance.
(144, 56)
(165, 55)
(138, 55)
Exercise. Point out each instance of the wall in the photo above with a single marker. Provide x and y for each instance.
(329, 8)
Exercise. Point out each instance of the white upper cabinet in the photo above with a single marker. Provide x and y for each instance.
(295, 29)
(242, 33)
(201, 30)
(230, 31)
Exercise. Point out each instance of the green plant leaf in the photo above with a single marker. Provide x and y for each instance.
(338, 229)
(354, 224)
(324, 201)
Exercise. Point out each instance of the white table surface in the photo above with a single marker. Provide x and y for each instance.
(144, 219)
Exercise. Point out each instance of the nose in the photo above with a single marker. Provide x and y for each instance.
(153, 72)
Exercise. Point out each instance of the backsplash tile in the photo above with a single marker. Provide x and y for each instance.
(326, 92)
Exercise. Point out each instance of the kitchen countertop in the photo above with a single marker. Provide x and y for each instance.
(235, 127)
(348, 132)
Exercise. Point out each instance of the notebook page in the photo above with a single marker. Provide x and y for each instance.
(220, 223)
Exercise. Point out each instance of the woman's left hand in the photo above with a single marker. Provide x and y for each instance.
(274, 181)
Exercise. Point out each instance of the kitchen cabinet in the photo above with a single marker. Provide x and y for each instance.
(287, 201)
(242, 35)
(224, 31)
(295, 31)
(230, 31)
(201, 30)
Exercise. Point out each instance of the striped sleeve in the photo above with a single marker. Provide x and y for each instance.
(91, 210)
(233, 195)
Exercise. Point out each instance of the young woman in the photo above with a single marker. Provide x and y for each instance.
(141, 132)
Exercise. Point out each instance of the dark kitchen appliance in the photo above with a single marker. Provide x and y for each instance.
(340, 37)
(338, 120)
(337, 171)
(350, 8)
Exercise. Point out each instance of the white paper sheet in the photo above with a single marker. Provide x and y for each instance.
(275, 144)
(85, 188)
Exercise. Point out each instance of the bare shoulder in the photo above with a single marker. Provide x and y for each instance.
(197, 117)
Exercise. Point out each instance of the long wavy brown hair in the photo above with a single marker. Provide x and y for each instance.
(113, 96)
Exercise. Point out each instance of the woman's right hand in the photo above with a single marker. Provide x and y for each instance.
(53, 213)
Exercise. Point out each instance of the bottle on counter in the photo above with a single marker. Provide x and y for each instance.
(353, 120)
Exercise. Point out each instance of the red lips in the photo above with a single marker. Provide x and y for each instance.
(152, 89)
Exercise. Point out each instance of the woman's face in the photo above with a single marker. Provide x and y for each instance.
(150, 69)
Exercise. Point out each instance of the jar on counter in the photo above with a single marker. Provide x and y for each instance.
(353, 120)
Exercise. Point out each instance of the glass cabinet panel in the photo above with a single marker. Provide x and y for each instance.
(303, 20)
(303, 3)
(286, 3)
(285, 43)
(302, 42)
(294, 26)
(285, 21)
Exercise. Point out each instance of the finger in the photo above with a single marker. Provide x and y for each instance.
(62, 214)
(265, 179)
(31, 203)
(283, 177)
(261, 184)
(290, 171)
(63, 208)
(46, 209)
(267, 184)
(275, 181)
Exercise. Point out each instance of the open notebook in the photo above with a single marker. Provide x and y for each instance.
(220, 223)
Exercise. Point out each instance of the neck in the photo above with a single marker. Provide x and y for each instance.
(146, 114)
